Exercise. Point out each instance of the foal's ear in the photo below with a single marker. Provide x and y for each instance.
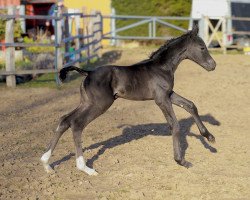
(195, 30)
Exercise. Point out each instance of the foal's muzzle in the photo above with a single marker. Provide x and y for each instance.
(210, 65)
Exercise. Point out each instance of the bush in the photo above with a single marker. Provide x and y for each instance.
(38, 49)
(152, 8)
(20, 65)
(17, 27)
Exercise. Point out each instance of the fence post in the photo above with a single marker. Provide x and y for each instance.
(84, 25)
(10, 51)
(150, 29)
(99, 32)
(22, 20)
(66, 35)
(77, 40)
(154, 28)
(87, 43)
(91, 30)
(94, 29)
(224, 35)
(58, 39)
(205, 28)
(113, 28)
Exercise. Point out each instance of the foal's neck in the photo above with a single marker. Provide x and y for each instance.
(175, 54)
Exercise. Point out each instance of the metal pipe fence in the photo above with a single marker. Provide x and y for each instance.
(152, 21)
(211, 32)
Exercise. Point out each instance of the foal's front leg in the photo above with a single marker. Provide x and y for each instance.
(190, 107)
(165, 105)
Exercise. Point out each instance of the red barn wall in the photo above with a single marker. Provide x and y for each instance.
(4, 3)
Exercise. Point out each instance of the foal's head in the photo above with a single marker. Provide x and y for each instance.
(197, 51)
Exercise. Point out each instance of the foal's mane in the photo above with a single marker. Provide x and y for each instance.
(167, 44)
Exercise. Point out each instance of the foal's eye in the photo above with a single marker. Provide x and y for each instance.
(202, 48)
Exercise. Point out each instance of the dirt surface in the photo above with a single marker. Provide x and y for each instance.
(130, 145)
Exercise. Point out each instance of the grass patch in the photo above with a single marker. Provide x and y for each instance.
(49, 81)
(45, 80)
(39, 49)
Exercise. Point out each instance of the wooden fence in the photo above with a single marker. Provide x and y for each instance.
(87, 39)
(220, 31)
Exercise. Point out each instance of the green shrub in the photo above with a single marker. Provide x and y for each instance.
(152, 8)
(2, 66)
(38, 49)
(19, 65)
(17, 27)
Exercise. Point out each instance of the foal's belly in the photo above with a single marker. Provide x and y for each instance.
(138, 83)
(133, 90)
(138, 94)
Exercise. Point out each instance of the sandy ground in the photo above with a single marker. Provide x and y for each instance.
(130, 145)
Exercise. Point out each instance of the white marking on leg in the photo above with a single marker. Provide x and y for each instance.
(80, 164)
(57, 129)
(46, 156)
(45, 160)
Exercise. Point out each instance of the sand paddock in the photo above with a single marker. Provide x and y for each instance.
(130, 145)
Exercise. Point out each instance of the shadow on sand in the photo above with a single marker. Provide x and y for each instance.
(135, 132)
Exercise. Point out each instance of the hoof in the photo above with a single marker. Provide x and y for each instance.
(89, 171)
(211, 138)
(184, 163)
(48, 168)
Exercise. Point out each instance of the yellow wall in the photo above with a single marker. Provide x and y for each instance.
(104, 6)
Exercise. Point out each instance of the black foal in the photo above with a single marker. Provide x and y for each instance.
(151, 79)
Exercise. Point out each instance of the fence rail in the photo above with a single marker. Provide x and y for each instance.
(45, 17)
(18, 44)
(22, 72)
(152, 21)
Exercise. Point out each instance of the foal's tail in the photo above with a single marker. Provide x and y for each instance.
(63, 72)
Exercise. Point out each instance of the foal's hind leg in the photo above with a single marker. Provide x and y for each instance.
(62, 127)
(80, 162)
(79, 121)
(190, 107)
